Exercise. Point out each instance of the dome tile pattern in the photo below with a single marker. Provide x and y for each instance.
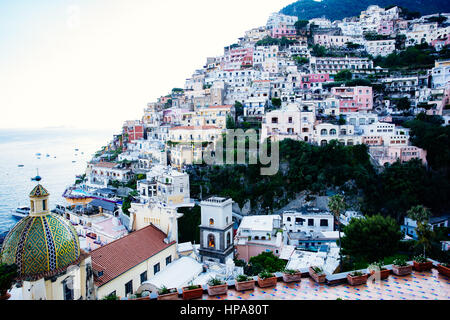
(41, 244)
(39, 191)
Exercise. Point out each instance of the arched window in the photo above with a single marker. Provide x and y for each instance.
(323, 142)
(333, 132)
(323, 132)
(211, 241)
(211, 222)
(227, 220)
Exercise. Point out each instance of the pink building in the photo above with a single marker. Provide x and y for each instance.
(386, 27)
(353, 99)
(257, 234)
(235, 58)
(390, 154)
(308, 79)
(284, 30)
(134, 129)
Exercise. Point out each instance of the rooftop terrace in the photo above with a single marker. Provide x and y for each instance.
(418, 286)
(427, 285)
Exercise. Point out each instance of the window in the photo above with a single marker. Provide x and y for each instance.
(228, 239)
(129, 287)
(211, 241)
(44, 205)
(310, 222)
(156, 268)
(211, 222)
(143, 276)
(168, 260)
(323, 222)
(68, 289)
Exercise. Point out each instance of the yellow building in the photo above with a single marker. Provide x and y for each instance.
(120, 267)
(47, 253)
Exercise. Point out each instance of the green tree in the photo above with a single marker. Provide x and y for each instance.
(301, 24)
(188, 224)
(338, 206)
(403, 104)
(276, 102)
(344, 75)
(422, 216)
(239, 109)
(265, 261)
(371, 238)
(230, 123)
(8, 274)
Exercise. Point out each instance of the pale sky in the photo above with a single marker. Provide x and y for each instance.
(96, 63)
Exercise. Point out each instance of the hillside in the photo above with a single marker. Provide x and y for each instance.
(338, 9)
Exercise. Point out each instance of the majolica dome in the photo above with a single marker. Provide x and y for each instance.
(42, 242)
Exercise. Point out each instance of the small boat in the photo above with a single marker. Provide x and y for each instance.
(73, 161)
(76, 149)
(20, 212)
(47, 155)
(20, 165)
(38, 154)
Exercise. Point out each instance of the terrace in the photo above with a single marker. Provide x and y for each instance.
(426, 285)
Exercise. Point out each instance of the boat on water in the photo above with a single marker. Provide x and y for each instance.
(20, 212)
(20, 165)
(47, 155)
(38, 154)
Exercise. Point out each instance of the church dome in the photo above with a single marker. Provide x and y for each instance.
(41, 244)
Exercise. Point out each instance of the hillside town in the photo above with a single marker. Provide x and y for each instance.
(118, 233)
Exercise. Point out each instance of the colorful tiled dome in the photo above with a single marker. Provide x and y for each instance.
(41, 244)
(39, 191)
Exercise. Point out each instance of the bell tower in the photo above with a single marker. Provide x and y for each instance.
(216, 230)
(39, 199)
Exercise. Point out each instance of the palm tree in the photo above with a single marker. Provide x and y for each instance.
(337, 206)
(422, 216)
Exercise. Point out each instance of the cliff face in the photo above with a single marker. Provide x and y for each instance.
(338, 9)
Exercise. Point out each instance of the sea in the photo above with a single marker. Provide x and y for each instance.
(63, 155)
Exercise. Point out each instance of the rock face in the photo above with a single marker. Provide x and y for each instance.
(339, 9)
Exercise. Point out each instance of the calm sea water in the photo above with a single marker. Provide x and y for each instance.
(57, 170)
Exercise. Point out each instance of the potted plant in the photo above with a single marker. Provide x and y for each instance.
(290, 275)
(217, 287)
(192, 292)
(8, 273)
(444, 268)
(167, 294)
(317, 274)
(400, 267)
(377, 267)
(357, 278)
(421, 263)
(242, 283)
(266, 279)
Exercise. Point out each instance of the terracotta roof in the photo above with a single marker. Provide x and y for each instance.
(121, 255)
(194, 128)
(104, 164)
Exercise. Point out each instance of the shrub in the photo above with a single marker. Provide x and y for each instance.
(317, 270)
(215, 282)
(242, 278)
(290, 271)
(266, 275)
(400, 262)
(420, 259)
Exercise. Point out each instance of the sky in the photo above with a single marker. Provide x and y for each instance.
(97, 63)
